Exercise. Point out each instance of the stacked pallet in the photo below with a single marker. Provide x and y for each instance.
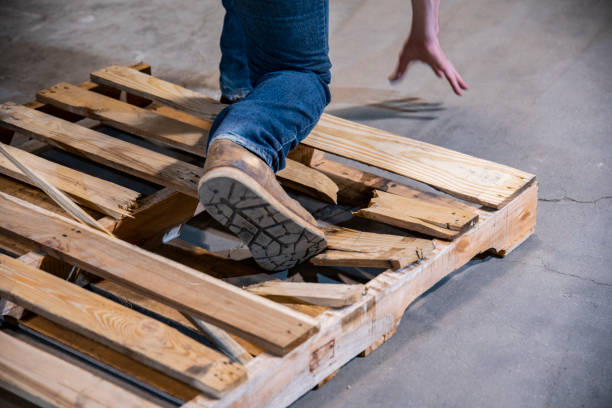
(160, 314)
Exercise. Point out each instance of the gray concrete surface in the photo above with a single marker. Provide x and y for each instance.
(531, 330)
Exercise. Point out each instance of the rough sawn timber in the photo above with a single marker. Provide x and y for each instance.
(275, 328)
(49, 381)
(344, 333)
(473, 179)
(173, 129)
(118, 327)
(323, 294)
(439, 221)
(98, 194)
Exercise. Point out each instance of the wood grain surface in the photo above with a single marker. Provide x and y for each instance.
(275, 328)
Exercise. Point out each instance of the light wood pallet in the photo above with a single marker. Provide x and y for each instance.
(140, 305)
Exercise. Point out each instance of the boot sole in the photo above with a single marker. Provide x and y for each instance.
(278, 238)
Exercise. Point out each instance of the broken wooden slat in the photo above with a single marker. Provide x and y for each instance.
(107, 150)
(109, 357)
(458, 174)
(322, 294)
(118, 327)
(101, 195)
(388, 259)
(300, 177)
(349, 247)
(126, 117)
(263, 322)
(132, 298)
(223, 340)
(60, 198)
(413, 214)
(47, 380)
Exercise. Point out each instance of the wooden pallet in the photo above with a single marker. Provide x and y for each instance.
(162, 316)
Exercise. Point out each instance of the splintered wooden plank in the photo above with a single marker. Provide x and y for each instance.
(109, 357)
(458, 174)
(161, 91)
(322, 294)
(147, 340)
(126, 117)
(464, 176)
(104, 149)
(307, 180)
(349, 247)
(49, 381)
(440, 221)
(101, 195)
(260, 321)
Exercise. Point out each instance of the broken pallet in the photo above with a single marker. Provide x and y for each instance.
(291, 336)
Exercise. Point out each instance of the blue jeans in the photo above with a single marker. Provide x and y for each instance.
(275, 56)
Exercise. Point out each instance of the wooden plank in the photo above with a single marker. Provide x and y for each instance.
(349, 247)
(128, 118)
(388, 259)
(158, 90)
(60, 198)
(307, 180)
(461, 175)
(130, 297)
(110, 357)
(322, 294)
(49, 381)
(263, 322)
(440, 221)
(104, 149)
(101, 195)
(145, 339)
(467, 177)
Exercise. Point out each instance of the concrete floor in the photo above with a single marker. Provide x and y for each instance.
(531, 330)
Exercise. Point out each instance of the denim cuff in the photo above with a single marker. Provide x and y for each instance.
(247, 144)
(235, 94)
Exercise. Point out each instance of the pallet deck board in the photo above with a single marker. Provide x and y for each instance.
(263, 322)
(440, 221)
(47, 380)
(126, 117)
(118, 327)
(473, 179)
(101, 195)
(101, 148)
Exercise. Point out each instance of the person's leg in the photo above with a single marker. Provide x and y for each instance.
(235, 79)
(287, 49)
(249, 140)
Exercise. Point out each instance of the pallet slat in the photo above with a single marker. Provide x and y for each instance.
(118, 327)
(165, 129)
(100, 195)
(322, 294)
(49, 381)
(440, 221)
(265, 323)
(126, 117)
(101, 148)
(464, 176)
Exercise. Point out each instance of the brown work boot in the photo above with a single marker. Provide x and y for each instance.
(239, 190)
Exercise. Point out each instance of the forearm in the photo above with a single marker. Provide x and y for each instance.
(425, 27)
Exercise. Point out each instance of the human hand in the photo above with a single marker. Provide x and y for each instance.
(423, 45)
(430, 53)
